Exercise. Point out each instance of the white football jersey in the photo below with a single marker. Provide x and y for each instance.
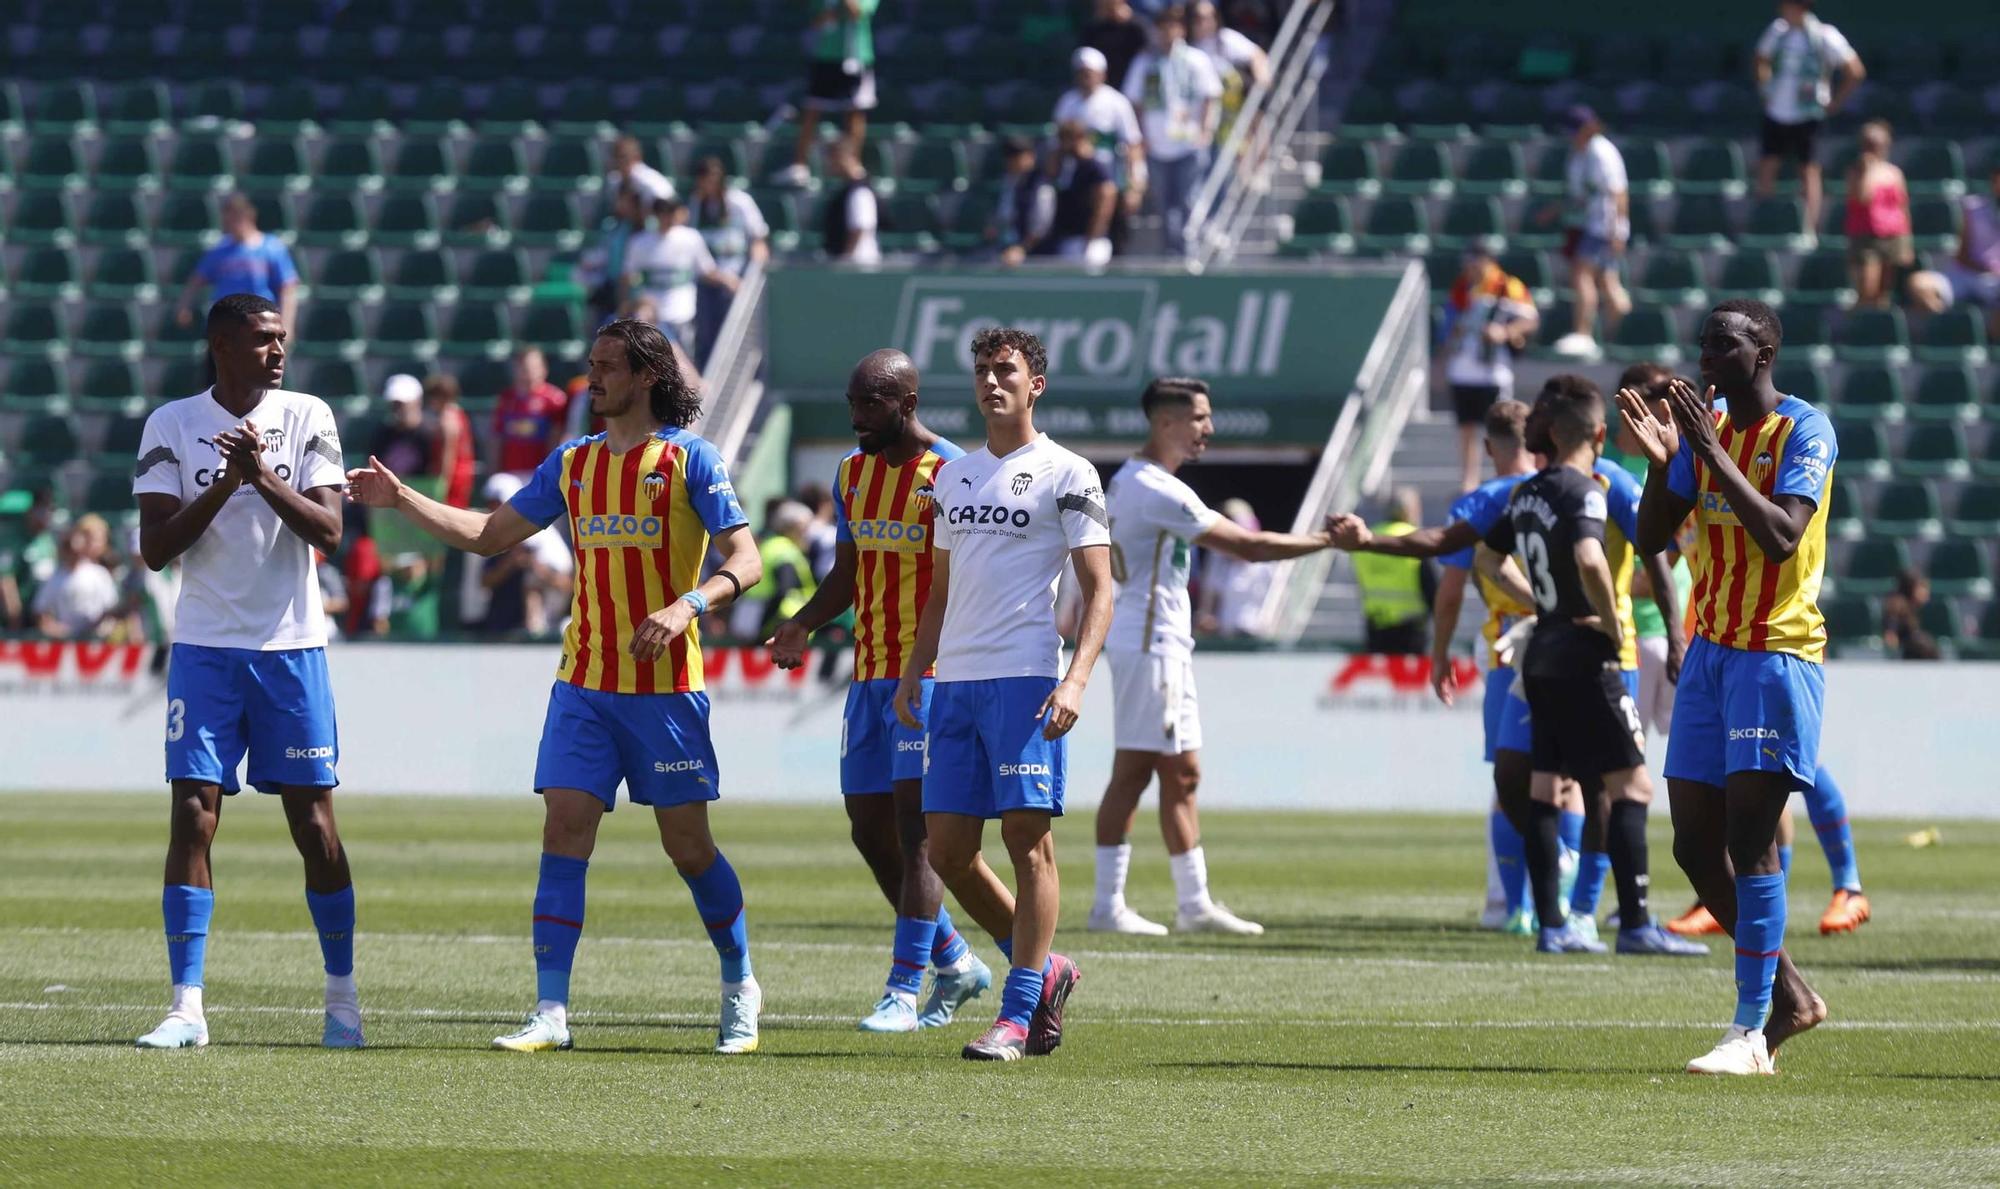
(247, 581)
(1154, 520)
(1009, 524)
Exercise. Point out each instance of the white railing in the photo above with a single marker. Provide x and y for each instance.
(1392, 381)
(732, 390)
(1239, 176)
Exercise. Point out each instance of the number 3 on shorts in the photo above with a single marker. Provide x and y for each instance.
(176, 719)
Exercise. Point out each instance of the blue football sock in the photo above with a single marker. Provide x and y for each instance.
(1785, 860)
(947, 947)
(1590, 871)
(1760, 933)
(1023, 992)
(913, 948)
(719, 900)
(1005, 946)
(1569, 828)
(1511, 857)
(1828, 810)
(185, 909)
(333, 916)
(558, 924)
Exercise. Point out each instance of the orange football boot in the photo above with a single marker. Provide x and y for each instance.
(1695, 922)
(1848, 912)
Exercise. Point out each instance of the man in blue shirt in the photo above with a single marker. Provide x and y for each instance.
(246, 261)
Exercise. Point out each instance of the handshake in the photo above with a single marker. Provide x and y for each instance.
(1348, 532)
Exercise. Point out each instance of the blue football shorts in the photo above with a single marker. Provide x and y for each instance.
(276, 706)
(877, 752)
(986, 752)
(657, 745)
(1740, 711)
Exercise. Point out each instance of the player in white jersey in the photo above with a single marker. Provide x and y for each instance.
(1155, 521)
(243, 482)
(1008, 516)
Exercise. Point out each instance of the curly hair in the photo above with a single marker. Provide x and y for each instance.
(995, 339)
(674, 400)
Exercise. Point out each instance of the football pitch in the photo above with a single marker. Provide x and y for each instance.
(1373, 1035)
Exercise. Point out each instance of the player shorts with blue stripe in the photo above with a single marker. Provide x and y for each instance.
(276, 706)
(1516, 726)
(1741, 711)
(986, 753)
(657, 745)
(877, 752)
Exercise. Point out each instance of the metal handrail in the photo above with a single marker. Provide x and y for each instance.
(1226, 201)
(734, 391)
(1392, 381)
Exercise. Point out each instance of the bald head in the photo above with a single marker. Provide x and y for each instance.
(882, 399)
(886, 371)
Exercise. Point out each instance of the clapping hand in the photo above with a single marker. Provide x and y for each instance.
(1658, 440)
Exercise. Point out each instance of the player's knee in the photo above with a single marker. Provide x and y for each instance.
(690, 854)
(1697, 860)
(951, 858)
(1028, 838)
(1179, 782)
(193, 820)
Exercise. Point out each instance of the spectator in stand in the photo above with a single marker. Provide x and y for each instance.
(840, 79)
(1797, 57)
(1112, 120)
(629, 171)
(147, 598)
(1178, 96)
(1027, 205)
(664, 268)
(1903, 633)
(511, 593)
(528, 421)
(332, 593)
(403, 443)
(737, 236)
(1397, 592)
(850, 213)
(822, 538)
(451, 438)
(1489, 317)
(80, 600)
(788, 576)
(1116, 34)
(28, 564)
(1973, 275)
(360, 568)
(1241, 62)
(1232, 591)
(1597, 218)
(404, 601)
(601, 267)
(1086, 197)
(246, 261)
(1878, 218)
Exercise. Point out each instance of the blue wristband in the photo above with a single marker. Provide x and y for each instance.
(697, 600)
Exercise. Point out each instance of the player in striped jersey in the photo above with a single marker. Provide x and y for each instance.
(884, 512)
(641, 500)
(1753, 469)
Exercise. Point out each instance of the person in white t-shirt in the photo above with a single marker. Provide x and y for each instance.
(1156, 521)
(1597, 225)
(242, 483)
(663, 267)
(1178, 95)
(1113, 124)
(80, 600)
(630, 171)
(1798, 56)
(1008, 516)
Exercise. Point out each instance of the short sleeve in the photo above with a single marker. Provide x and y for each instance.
(1135, 79)
(283, 271)
(752, 216)
(1175, 508)
(861, 209)
(1621, 501)
(1808, 459)
(1080, 506)
(1839, 49)
(1611, 164)
(842, 531)
(158, 470)
(320, 463)
(210, 263)
(1768, 43)
(709, 490)
(1680, 473)
(1208, 78)
(941, 531)
(698, 253)
(1587, 509)
(1128, 121)
(1466, 508)
(541, 501)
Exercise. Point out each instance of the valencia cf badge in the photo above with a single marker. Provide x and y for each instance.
(1021, 481)
(926, 496)
(654, 485)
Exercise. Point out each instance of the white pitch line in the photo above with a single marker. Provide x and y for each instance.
(615, 1019)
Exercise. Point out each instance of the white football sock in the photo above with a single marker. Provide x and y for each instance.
(1112, 864)
(556, 1010)
(343, 1002)
(187, 1002)
(909, 998)
(1190, 879)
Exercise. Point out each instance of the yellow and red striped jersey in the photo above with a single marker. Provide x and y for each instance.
(639, 523)
(886, 512)
(1742, 598)
(1621, 529)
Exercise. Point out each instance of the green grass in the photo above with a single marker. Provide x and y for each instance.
(1372, 1036)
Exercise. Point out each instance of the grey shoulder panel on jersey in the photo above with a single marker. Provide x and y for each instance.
(153, 458)
(1084, 504)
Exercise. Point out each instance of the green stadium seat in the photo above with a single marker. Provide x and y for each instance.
(1531, 267)
(555, 327)
(1494, 169)
(423, 165)
(216, 103)
(1700, 224)
(481, 381)
(964, 232)
(1348, 167)
(10, 108)
(1803, 380)
(1935, 448)
(914, 223)
(276, 163)
(567, 166)
(125, 274)
(119, 445)
(334, 380)
(1670, 278)
(32, 384)
(1851, 621)
(586, 110)
(127, 163)
(1395, 225)
(1873, 336)
(349, 165)
(513, 109)
(186, 220)
(1421, 168)
(109, 384)
(42, 219)
(113, 219)
(182, 377)
(201, 163)
(1821, 279)
(1873, 566)
(424, 274)
(1934, 167)
(51, 162)
(478, 329)
(350, 274)
(49, 274)
(1934, 224)
(1959, 569)
(139, 109)
(440, 110)
(1470, 220)
(1649, 171)
(477, 221)
(1775, 224)
(328, 330)
(1872, 390)
(50, 439)
(367, 109)
(1941, 619)
(495, 165)
(65, 108)
(406, 330)
(108, 492)
(109, 329)
(333, 221)
(1987, 646)
(1946, 393)
(291, 108)
(406, 221)
(499, 274)
(1713, 167)
(1845, 509)
(1954, 336)
(1750, 274)
(1511, 114)
(1977, 511)
(1321, 223)
(1648, 332)
(936, 165)
(1907, 508)
(1955, 111)
(1808, 338)
(549, 221)
(1864, 447)
(1438, 113)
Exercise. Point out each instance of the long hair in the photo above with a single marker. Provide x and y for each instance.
(674, 401)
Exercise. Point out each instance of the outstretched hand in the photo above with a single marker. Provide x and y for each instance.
(788, 645)
(1658, 440)
(1349, 531)
(375, 485)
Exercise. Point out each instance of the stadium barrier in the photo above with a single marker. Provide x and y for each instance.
(1296, 730)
